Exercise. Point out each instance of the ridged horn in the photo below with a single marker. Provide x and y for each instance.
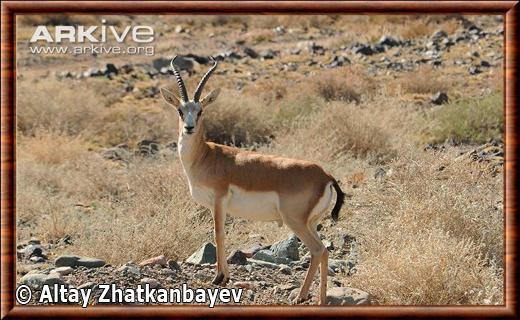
(202, 82)
(180, 82)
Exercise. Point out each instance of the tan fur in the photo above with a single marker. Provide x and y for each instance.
(215, 171)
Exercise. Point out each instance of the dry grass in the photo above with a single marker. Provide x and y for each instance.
(430, 232)
(427, 239)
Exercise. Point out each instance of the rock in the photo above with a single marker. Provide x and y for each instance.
(172, 264)
(250, 53)
(150, 92)
(485, 64)
(237, 257)
(474, 70)
(330, 272)
(111, 68)
(159, 63)
(286, 249)
(206, 254)
(364, 50)
(62, 270)
(76, 261)
(268, 54)
(251, 251)
(262, 263)
(130, 270)
(285, 269)
(179, 29)
(388, 41)
(159, 260)
(338, 61)
(33, 250)
(37, 280)
(266, 255)
(37, 259)
(147, 147)
(439, 34)
(439, 98)
(151, 282)
(347, 296)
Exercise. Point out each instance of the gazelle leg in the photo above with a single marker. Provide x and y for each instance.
(324, 269)
(316, 249)
(219, 216)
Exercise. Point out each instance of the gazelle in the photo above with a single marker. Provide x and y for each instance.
(252, 185)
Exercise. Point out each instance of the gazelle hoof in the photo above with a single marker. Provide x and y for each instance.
(220, 279)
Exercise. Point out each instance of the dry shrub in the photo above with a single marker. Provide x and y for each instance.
(132, 122)
(152, 220)
(345, 84)
(238, 120)
(339, 130)
(424, 80)
(52, 105)
(433, 236)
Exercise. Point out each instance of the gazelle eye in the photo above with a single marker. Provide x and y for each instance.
(199, 114)
(180, 112)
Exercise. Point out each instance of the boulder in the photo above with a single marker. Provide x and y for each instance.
(439, 98)
(206, 254)
(347, 296)
(237, 257)
(77, 261)
(159, 260)
(286, 249)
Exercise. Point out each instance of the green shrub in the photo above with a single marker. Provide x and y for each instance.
(469, 121)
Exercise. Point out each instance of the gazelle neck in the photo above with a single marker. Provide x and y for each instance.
(191, 147)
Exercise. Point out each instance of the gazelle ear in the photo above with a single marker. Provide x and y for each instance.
(171, 97)
(210, 98)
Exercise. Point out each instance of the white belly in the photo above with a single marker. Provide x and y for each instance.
(262, 206)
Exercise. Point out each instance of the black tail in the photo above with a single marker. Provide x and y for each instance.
(340, 199)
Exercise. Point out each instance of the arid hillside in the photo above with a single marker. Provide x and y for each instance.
(405, 111)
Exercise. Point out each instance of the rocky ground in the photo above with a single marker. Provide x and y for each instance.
(268, 274)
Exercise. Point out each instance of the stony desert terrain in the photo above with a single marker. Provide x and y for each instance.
(405, 111)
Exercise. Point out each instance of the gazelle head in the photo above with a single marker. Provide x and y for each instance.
(190, 111)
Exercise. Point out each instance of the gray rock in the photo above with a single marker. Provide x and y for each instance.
(364, 50)
(151, 282)
(237, 257)
(63, 270)
(37, 280)
(388, 41)
(439, 34)
(485, 64)
(37, 259)
(262, 263)
(347, 296)
(286, 249)
(130, 270)
(474, 70)
(111, 69)
(439, 98)
(206, 254)
(33, 250)
(265, 255)
(77, 261)
(172, 264)
(34, 241)
(285, 269)
(250, 52)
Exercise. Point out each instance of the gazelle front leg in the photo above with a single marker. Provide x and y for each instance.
(219, 217)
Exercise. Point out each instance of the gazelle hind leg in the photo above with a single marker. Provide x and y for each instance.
(324, 268)
(316, 249)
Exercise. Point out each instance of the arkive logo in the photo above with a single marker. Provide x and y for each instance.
(93, 34)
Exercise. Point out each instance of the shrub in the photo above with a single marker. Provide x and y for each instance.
(468, 121)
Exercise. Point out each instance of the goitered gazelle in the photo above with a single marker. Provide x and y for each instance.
(252, 185)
